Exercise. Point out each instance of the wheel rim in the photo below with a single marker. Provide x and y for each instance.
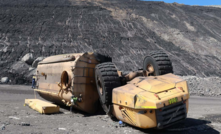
(150, 69)
(100, 86)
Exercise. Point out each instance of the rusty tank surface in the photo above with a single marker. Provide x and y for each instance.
(148, 98)
(62, 77)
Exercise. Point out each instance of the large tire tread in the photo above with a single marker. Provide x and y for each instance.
(162, 61)
(110, 80)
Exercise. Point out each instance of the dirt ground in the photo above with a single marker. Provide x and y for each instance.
(203, 117)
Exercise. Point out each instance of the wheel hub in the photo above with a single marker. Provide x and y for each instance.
(100, 86)
(150, 68)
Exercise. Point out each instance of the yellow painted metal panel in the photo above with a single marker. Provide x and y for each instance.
(150, 101)
(61, 58)
(125, 95)
(171, 78)
(141, 118)
(42, 107)
(146, 100)
(156, 84)
(150, 92)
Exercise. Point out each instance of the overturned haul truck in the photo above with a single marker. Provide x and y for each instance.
(149, 98)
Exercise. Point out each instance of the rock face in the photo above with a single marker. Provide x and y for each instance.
(209, 86)
(18, 72)
(35, 63)
(19, 67)
(126, 30)
(28, 58)
(4, 80)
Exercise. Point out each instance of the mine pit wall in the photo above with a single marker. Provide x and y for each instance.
(80, 76)
(124, 30)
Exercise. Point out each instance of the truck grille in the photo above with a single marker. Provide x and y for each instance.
(171, 114)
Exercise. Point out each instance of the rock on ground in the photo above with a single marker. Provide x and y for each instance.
(28, 58)
(4, 80)
(19, 73)
(35, 63)
(30, 73)
(20, 67)
(208, 86)
(30, 68)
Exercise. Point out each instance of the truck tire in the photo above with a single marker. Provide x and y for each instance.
(107, 79)
(159, 62)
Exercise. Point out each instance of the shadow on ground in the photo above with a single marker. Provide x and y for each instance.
(100, 111)
(188, 126)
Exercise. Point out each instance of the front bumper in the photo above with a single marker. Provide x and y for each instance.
(171, 114)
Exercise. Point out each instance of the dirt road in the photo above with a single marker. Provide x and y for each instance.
(204, 117)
